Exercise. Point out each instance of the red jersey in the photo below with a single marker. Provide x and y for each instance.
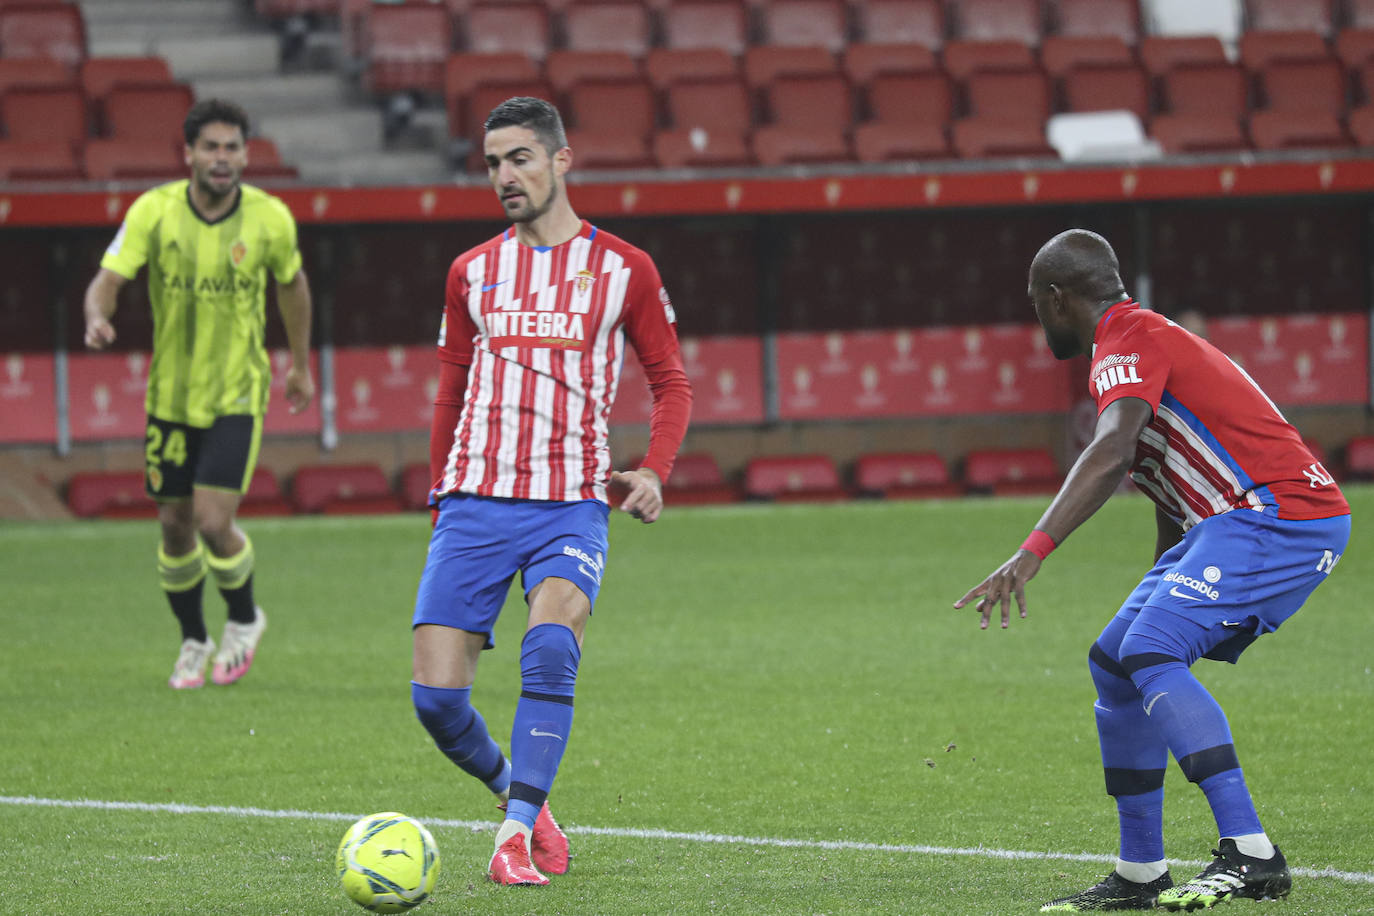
(1216, 441)
(541, 335)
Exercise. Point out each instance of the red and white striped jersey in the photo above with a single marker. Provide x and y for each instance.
(543, 333)
(1216, 441)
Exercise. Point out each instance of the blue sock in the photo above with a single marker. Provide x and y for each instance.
(1134, 757)
(459, 731)
(543, 718)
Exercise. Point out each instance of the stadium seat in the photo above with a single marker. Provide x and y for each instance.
(963, 58)
(264, 161)
(415, 484)
(1005, 472)
(482, 99)
(1119, 19)
(765, 63)
(41, 114)
(665, 66)
(888, 141)
(27, 72)
(146, 111)
(910, 98)
(715, 104)
(113, 159)
(914, 22)
(719, 24)
(823, 102)
(109, 494)
(1260, 49)
(1286, 15)
(697, 480)
(999, 20)
(1361, 124)
(520, 27)
(1219, 90)
(52, 160)
(1194, 132)
(803, 24)
(566, 69)
(793, 478)
(1359, 458)
(619, 26)
(465, 71)
(264, 496)
(342, 489)
(904, 475)
(1304, 85)
(51, 31)
(1162, 53)
(1021, 95)
(781, 144)
(1355, 47)
(100, 74)
(1108, 87)
(407, 45)
(702, 147)
(599, 149)
(996, 138)
(1297, 129)
(1060, 54)
(864, 60)
(623, 107)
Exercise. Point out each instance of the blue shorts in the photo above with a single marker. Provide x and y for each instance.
(479, 543)
(1233, 578)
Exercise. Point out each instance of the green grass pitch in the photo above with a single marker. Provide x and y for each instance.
(778, 712)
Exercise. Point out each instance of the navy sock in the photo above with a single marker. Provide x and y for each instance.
(549, 657)
(460, 732)
(1134, 757)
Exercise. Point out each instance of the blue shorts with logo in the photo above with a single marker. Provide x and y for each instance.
(1233, 578)
(479, 543)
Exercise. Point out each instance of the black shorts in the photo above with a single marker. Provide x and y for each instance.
(180, 457)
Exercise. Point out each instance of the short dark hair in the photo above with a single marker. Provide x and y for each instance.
(212, 111)
(536, 114)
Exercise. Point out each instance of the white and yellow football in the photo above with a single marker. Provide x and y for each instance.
(387, 862)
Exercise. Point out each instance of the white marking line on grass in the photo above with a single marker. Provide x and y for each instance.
(1355, 877)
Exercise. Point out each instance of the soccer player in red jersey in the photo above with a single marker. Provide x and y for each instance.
(1249, 524)
(536, 322)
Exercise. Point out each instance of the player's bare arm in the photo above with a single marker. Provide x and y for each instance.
(293, 299)
(1091, 481)
(643, 493)
(102, 298)
(1168, 532)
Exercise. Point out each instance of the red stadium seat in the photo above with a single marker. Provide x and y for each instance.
(764, 64)
(407, 45)
(915, 22)
(1119, 19)
(911, 98)
(1194, 132)
(1304, 85)
(1260, 49)
(100, 74)
(465, 71)
(696, 480)
(109, 494)
(719, 24)
(1000, 20)
(1011, 471)
(702, 147)
(112, 159)
(804, 24)
(1022, 95)
(1355, 47)
(996, 138)
(146, 111)
(1060, 54)
(264, 496)
(620, 26)
(1288, 15)
(1297, 129)
(710, 103)
(520, 27)
(863, 61)
(1162, 53)
(888, 141)
(665, 66)
(27, 72)
(819, 101)
(1108, 87)
(566, 69)
(45, 114)
(264, 161)
(1359, 458)
(481, 100)
(342, 489)
(619, 107)
(781, 144)
(1361, 123)
(415, 484)
(52, 160)
(52, 31)
(793, 478)
(963, 58)
(904, 475)
(599, 149)
(1219, 90)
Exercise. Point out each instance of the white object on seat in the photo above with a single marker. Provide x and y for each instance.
(1100, 135)
(1195, 17)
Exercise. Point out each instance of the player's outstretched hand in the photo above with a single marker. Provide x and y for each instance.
(1009, 579)
(642, 493)
(300, 388)
(99, 333)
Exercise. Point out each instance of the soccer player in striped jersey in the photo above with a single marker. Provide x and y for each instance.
(209, 242)
(536, 324)
(1249, 524)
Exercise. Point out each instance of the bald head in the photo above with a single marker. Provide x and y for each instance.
(1082, 264)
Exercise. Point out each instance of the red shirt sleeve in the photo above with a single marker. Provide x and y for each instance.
(1129, 363)
(651, 326)
(457, 331)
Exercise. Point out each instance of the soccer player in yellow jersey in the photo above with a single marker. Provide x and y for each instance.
(208, 243)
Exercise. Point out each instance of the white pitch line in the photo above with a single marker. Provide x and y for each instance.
(1354, 877)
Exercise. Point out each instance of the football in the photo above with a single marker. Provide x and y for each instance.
(387, 862)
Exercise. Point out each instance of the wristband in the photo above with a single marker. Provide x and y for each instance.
(1039, 543)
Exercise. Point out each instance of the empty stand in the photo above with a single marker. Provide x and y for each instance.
(112, 159)
(702, 147)
(1359, 458)
(793, 478)
(764, 64)
(963, 58)
(1162, 53)
(598, 149)
(884, 141)
(1297, 129)
(1285, 15)
(101, 74)
(1118, 19)
(1000, 20)
(996, 138)
(1011, 471)
(719, 24)
(520, 27)
(415, 484)
(342, 489)
(146, 111)
(804, 23)
(1059, 54)
(710, 103)
(52, 160)
(1207, 89)
(1260, 49)
(264, 496)
(1021, 95)
(665, 66)
(482, 99)
(25, 72)
(1108, 87)
(1198, 133)
(1298, 85)
(781, 144)
(407, 45)
(1361, 124)
(1355, 47)
(264, 161)
(621, 26)
(864, 60)
(42, 114)
(697, 480)
(465, 72)
(914, 22)
(109, 494)
(611, 106)
(904, 475)
(51, 31)
(566, 69)
(911, 98)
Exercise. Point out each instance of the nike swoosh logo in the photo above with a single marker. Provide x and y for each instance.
(1153, 700)
(1178, 594)
(588, 573)
(486, 288)
(538, 734)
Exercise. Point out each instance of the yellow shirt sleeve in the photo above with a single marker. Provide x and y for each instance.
(128, 252)
(283, 255)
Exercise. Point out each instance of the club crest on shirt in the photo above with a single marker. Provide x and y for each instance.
(237, 252)
(583, 280)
